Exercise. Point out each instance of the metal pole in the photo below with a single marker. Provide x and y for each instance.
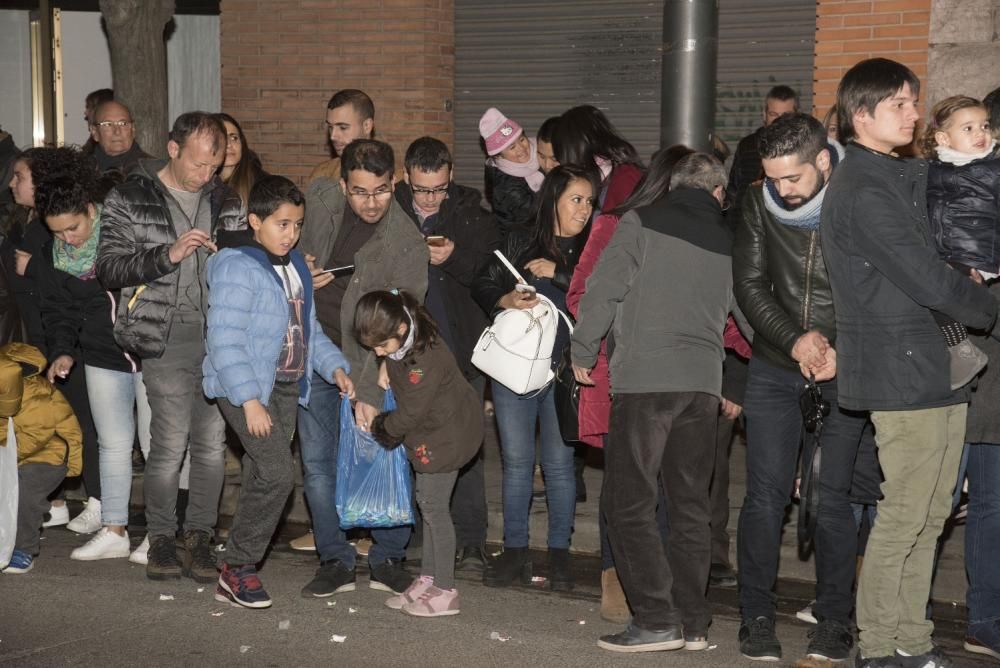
(690, 52)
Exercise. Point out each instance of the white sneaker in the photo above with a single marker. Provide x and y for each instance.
(141, 554)
(105, 545)
(806, 614)
(89, 520)
(58, 516)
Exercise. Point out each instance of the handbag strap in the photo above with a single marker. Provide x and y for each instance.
(520, 279)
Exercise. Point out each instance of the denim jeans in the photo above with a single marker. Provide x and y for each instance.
(982, 533)
(182, 420)
(516, 417)
(668, 436)
(113, 396)
(319, 441)
(774, 437)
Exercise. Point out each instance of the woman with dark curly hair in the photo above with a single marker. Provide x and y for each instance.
(77, 313)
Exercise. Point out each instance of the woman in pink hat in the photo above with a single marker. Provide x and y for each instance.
(512, 173)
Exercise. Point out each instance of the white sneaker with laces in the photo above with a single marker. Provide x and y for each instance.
(105, 545)
(141, 553)
(89, 520)
(58, 516)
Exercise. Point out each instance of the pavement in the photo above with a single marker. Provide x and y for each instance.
(108, 613)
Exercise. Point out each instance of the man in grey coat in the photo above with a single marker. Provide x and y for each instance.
(664, 283)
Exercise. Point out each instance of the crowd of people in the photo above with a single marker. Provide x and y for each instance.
(836, 277)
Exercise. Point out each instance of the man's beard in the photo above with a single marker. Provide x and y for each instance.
(820, 182)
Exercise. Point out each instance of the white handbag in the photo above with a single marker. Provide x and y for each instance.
(516, 350)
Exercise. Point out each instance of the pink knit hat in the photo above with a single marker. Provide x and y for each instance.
(498, 131)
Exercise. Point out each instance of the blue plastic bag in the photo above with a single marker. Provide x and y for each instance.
(374, 487)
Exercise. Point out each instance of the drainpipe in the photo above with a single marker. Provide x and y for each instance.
(690, 52)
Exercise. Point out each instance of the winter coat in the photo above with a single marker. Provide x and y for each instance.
(395, 257)
(248, 318)
(887, 277)
(594, 408)
(11, 326)
(134, 253)
(476, 235)
(983, 424)
(78, 317)
(780, 281)
(745, 170)
(964, 208)
(46, 429)
(30, 238)
(438, 416)
(512, 199)
(122, 164)
(664, 283)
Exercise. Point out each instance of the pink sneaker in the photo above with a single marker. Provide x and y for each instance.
(412, 593)
(434, 602)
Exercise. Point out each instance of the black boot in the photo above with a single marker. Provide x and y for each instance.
(560, 570)
(513, 564)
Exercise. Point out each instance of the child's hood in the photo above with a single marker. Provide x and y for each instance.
(30, 358)
(11, 388)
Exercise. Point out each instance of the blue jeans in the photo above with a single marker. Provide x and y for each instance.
(113, 394)
(516, 417)
(319, 441)
(774, 438)
(982, 533)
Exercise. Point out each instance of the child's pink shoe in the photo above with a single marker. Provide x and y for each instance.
(412, 593)
(434, 602)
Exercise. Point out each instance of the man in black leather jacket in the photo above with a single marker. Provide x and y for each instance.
(782, 287)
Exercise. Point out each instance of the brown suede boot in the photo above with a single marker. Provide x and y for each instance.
(614, 608)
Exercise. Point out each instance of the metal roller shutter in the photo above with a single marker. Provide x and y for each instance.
(535, 59)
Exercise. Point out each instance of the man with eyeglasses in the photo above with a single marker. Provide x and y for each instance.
(782, 286)
(113, 130)
(461, 237)
(371, 245)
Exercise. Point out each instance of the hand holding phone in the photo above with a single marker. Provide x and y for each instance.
(523, 287)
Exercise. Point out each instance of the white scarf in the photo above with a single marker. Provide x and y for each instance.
(529, 171)
(959, 158)
(405, 348)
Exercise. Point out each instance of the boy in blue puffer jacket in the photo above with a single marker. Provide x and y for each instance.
(263, 344)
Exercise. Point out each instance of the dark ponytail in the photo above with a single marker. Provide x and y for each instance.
(380, 313)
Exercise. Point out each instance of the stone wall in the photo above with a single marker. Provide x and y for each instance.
(964, 49)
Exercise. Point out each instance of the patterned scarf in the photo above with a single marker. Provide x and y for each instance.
(79, 261)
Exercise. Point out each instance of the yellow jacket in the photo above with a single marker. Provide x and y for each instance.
(46, 428)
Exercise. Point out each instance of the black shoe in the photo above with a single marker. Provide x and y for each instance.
(876, 662)
(935, 658)
(162, 562)
(332, 577)
(198, 561)
(635, 639)
(758, 642)
(560, 570)
(514, 563)
(830, 640)
(470, 558)
(721, 575)
(389, 576)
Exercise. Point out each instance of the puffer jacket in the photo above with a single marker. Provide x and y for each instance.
(963, 204)
(438, 416)
(133, 255)
(511, 198)
(780, 281)
(47, 432)
(247, 325)
(887, 279)
(395, 257)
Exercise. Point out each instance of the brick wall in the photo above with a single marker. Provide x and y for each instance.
(281, 61)
(848, 31)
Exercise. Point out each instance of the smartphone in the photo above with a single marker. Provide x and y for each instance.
(521, 287)
(340, 271)
(436, 240)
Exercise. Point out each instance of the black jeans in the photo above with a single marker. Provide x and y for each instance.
(720, 492)
(670, 435)
(468, 501)
(774, 436)
(268, 475)
(35, 481)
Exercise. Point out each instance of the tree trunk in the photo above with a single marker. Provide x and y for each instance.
(139, 65)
